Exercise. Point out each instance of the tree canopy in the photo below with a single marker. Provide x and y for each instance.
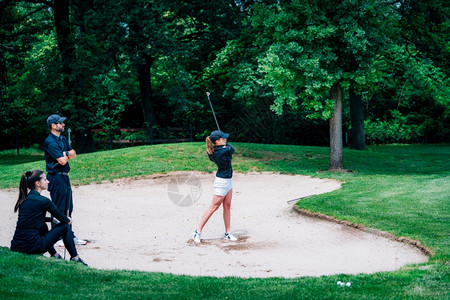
(278, 71)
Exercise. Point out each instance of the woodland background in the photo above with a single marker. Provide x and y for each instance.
(325, 73)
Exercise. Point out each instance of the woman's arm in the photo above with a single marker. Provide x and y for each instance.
(51, 208)
(232, 149)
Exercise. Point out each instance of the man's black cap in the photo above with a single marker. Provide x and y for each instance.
(55, 119)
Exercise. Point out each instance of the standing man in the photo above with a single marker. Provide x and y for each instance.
(57, 155)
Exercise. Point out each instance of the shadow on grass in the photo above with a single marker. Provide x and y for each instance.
(9, 160)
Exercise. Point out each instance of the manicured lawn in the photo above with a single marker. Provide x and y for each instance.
(401, 189)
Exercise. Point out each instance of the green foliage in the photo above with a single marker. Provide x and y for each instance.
(425, 26)
(112, 99)
(413, 97)
(317, 45)
(394, 130)
(246, 53)
(29, 74)
(402, 189)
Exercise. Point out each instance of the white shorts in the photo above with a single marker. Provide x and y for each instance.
(222, 186)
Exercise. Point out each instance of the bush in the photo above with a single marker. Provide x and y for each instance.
(395, 130)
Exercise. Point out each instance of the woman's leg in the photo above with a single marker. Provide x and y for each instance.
(61, 230)
(227, 210)
(43, 231)
(69, 242)
(216, 202)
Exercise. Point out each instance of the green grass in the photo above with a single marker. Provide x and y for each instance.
(401, 189)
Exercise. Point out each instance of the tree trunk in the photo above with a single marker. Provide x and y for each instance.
(65, 44)
(357, 136)
(336, 143)
(84, 141)
(144, 74)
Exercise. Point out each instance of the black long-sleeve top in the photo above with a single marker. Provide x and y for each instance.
(32, 212)
(222, 156)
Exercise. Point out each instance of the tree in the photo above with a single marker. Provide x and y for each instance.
(411, 103)
(101, 55)
(425, 26)
(76, 70)
(26, 73)
(100, 62)
(318, 49)
(357, 136)
(177, 38)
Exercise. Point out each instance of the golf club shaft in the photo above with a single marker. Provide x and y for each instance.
(296, 199)
(217, 123)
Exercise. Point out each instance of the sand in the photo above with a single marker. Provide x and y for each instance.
(147, 225)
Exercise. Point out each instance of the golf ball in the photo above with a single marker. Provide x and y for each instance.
(348, 284)
(342, 284)
(339, 282)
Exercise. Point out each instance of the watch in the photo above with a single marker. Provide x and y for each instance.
(67, 153)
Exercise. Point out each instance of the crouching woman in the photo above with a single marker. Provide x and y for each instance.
(32, 235)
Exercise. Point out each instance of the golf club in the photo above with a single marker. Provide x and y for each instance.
(207, 94)
(296, 199)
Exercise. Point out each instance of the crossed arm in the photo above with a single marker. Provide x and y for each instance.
(65, 158)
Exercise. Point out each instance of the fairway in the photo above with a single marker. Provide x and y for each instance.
(147, 225)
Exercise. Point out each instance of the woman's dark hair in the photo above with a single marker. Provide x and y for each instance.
(28, 181)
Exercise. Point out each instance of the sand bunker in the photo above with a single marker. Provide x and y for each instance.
(147, 225)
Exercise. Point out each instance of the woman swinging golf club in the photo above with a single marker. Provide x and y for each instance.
(220, 152)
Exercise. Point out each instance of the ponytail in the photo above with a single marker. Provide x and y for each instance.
(209, 146)
(27, 181)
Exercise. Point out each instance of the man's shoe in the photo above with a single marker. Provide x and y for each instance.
(197, 236)
(78, 241)
(79, 260)
(230, 237)
(57, 256)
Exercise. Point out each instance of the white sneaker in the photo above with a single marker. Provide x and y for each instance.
(229, 236)
(78, 241)
(197, 236)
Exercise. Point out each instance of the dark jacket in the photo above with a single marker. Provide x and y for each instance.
(222, 156)
(31, 219)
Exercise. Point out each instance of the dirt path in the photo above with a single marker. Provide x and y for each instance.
(147, 225)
